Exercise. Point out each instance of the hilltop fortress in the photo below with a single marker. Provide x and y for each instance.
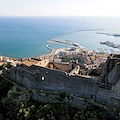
(105, 91)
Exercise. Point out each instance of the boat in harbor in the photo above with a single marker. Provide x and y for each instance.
(108, 34)
(116, 35)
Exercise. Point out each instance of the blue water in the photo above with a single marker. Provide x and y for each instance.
(27, 36)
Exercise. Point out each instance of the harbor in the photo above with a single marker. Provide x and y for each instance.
(72, 33)
(73, 46)
(111, 44)
(57, 40)
(108, 34)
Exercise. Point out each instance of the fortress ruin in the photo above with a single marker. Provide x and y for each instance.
(105, 91)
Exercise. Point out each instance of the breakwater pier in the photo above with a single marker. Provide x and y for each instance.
(114, 35)
(67, 42)
(61, 36)
(111, 44)
(72, 33)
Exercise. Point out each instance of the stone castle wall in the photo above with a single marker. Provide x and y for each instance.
(57, 81)
(62, 66)
(111, 70)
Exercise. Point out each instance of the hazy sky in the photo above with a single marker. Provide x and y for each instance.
(59, 7)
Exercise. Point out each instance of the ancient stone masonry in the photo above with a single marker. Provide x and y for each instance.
(46, 79)
(111, 71)
(60, 66)
(111, 74)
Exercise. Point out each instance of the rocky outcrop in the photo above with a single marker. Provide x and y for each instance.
(114, 74)
(96, 71)
(111, 71)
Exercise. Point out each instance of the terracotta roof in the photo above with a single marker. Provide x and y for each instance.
(28, 63)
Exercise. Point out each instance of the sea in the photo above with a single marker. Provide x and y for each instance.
(23, 37)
